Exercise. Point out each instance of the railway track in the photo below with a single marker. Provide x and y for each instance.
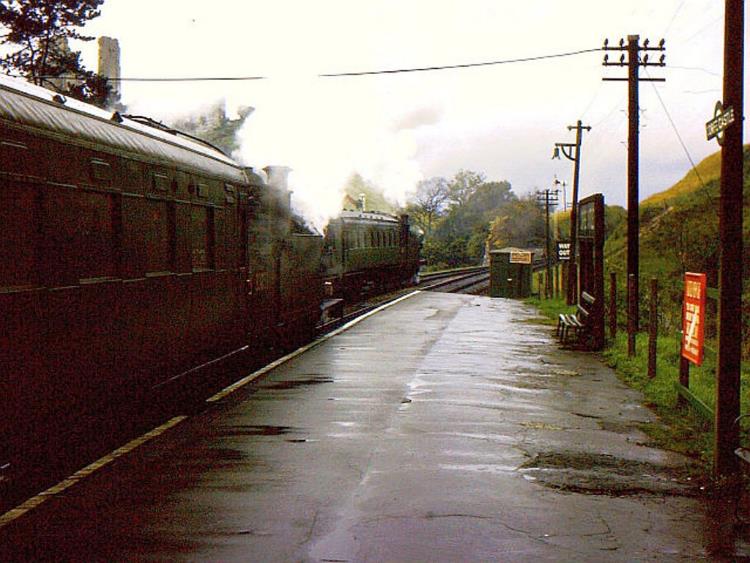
(463, 280)
(466, 280)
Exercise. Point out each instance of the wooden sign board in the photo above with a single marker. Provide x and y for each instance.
(518, 257)
(563, 250)
(693, 317)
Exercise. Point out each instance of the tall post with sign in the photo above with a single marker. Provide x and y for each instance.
(572, 151)
(730, 237)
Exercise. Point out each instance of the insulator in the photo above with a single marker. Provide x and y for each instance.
(622, 42)
(661, 59)
(606, 43)
(645, 44)
(606, 59)
(622, 59)
(661, 44)
(645, 59)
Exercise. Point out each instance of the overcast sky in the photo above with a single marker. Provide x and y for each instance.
(396, 129)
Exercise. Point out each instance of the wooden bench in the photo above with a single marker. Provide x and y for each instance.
(571, 326)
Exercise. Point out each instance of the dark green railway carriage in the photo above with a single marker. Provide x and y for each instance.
(132, 260)
(370, 251)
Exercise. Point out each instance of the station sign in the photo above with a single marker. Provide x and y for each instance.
(520, 257)
(563, 250)
(693, 317)
(722, 119)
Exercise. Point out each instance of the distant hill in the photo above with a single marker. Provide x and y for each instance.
(709, 169)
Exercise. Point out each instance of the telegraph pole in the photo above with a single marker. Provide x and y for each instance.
(548, 198)
(730, 236)
(634, 62)
(572, 151)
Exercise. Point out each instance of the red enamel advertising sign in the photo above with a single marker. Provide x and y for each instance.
(693, 317)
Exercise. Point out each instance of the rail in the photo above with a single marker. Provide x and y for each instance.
(457, 281)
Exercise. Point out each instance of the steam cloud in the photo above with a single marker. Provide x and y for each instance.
(326, 132)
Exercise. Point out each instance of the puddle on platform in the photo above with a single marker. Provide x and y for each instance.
(296, 383)
(259, 430)
(541, 426)
(601, 474)
(479, 468)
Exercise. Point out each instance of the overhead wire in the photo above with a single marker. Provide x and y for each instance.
(459, 66)
(353, 73)
(677, 133)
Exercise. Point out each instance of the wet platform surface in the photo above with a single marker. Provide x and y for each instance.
(444, 428)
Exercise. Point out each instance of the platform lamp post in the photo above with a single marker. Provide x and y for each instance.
(572, 151)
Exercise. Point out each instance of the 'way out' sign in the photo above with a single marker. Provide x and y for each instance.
(693, 317)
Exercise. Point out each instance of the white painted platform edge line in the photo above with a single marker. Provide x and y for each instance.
(256, 374)
(81, 474)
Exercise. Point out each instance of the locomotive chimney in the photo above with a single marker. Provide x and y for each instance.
(278, 177)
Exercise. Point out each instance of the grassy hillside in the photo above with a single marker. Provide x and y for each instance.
(679, 233)
(708, 170)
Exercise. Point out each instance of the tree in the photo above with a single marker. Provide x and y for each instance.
(520, 223)
(39, 31)
(215, 127)
(463, 185)
(429, 202)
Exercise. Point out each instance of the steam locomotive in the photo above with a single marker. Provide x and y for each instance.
(135, 260)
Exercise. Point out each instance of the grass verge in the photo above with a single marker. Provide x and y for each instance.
(550, 308)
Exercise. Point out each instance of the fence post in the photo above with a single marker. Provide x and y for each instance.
(684, 378)
(556, 281)
(612, 305)
(631, 319)
(653, 325)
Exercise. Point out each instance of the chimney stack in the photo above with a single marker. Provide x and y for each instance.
(109, 66)
(278, 177)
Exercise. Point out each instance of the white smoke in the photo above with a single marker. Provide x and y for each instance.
(326, 131)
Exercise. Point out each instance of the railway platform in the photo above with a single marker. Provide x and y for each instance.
(443, 428)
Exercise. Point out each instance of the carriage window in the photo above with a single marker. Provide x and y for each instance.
(159, 182)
